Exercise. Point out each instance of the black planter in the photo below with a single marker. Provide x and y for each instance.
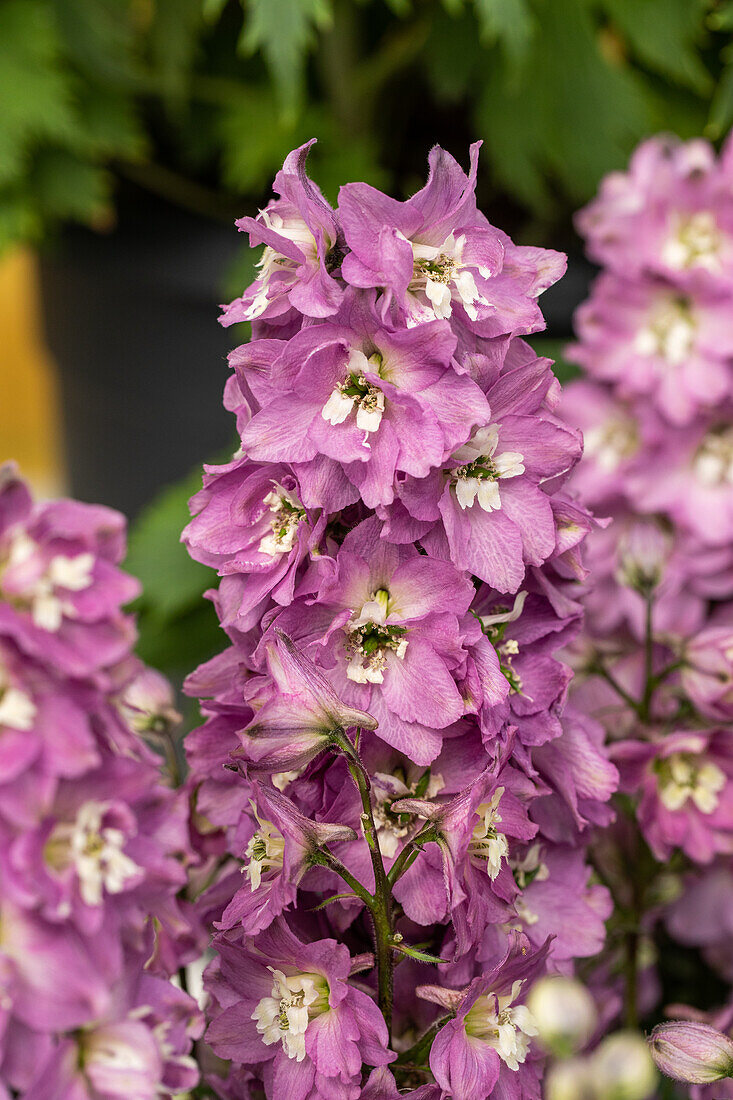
(131, 320)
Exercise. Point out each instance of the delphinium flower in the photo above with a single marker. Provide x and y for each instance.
(382, 773)
(655, 658)
(93, 840)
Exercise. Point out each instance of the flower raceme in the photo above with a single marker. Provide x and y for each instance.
(396, 567)
(94, 840)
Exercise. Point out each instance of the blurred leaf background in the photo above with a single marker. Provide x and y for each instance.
(198, 101)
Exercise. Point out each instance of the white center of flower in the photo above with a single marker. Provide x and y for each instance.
(370, 638)
(441, 275)
(393, 827)
(530, 868)
(486, 842)
(669, 333)
(286, 513)
(481, 469)
(713, 461)
(357, 393)
(95, 851)
(271, 261)
(17, 710)
(283, 1017)
(695, 241)
(683, 776)
(506, 1027)
(611, 442)
(264, 852)
(39, 594)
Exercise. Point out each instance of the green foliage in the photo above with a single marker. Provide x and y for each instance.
(178, 628)
(215, 92)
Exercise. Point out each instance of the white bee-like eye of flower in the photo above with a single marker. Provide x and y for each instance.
(283, 1017)
(440, 274)
(39, 595)
(286, 515)
(505, 1026)
(94, 850)
(482, 468)
(684, 776)
(694, 241)
(370, 638)
(612, 442)
(669, 332)
(17, 710)
(713, 460)
(271, 261)
(357, 394)
(264, 852)
(487, 843)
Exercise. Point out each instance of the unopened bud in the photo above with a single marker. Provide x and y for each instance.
(565, 1014)
(692, 1052)
(642, 554)
(623, 1068)
(569, 1080)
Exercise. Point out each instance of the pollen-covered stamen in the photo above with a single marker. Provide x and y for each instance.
(487, 843)
(94, 850)
(713, 461)
(370, 638)
(684, 776)
(669, 332)
(283, 1017)
(264, 852)
(695, 241)
(17, 710)
(506, 652)
(481, 469)
(503, 1025)
(612, 442)
(39, 594)
(286, 515)
(357, 393)
(441, 275)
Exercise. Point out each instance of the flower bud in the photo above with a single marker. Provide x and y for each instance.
(707, 672)
(622, 1068)
(565, 1014)
(569, 1080)
(692, 1052)
(642, 554)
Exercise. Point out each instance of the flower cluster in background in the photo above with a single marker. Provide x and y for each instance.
(655, 660)
(93, 843)
(386, 792)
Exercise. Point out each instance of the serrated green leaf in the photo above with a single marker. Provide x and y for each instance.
(666, 35)
(508, 22)
(173, 41)
(172, 581)
(69, 188)
(283, 31)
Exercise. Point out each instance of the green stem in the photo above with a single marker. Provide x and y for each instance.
(381, 909)
(409, 853)
(649, 685)
(611, 680)
(417, 1054)
(327, 859)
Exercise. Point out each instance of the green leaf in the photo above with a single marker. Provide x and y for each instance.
(172, 581)
(69, 188)
(415, 953)
(35, 92)
(283, 30)
(721, 108)
(575, 116)
(508, 22)
(173, 39)
(666, 35)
